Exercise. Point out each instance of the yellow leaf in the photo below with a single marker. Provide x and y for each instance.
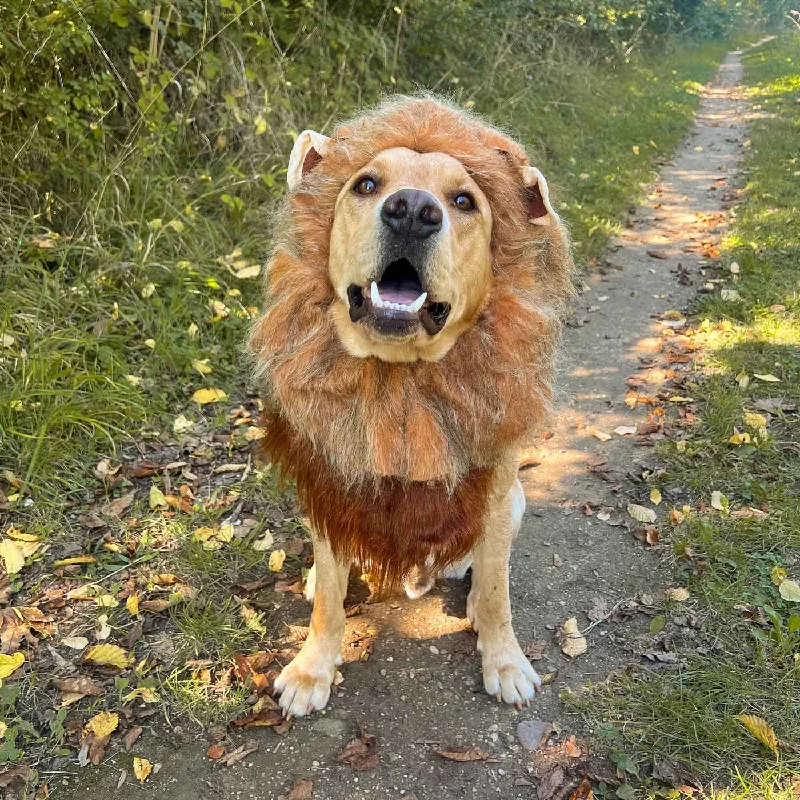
(201, 365)
(276, 559)
(203, 534)
(680, 446)
(761, 730)
(68, 562)
(635, 149)
(10, 664)
(102, 725)
(19, 536)
(106, 601)
(778, 575)
(254, 433)
(679, 399)
(12, 556)
(193, 330)
(3, 729)
(132, 604)
(151, 343)
(225, 533)
(204, 396)
(601, 435)
(767, 378)
(641, 514)
(265, 542)
(108, 655)
(743, 379)
(251, 271)
(145, 694)
(677, 594)
(719, 501)
(655, 497)
(261, 125)
(142, 769)
(739, 439)
(156, 499)
(148, 290)
(790, 590)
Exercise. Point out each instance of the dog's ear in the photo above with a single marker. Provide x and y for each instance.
(307, 151)
(540, 212)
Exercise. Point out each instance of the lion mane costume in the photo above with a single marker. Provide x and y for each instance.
(393, 462)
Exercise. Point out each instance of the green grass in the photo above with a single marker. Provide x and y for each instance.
(733, 565)
(123, 225)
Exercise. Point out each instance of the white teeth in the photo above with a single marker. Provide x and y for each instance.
(413, 308)
(418, 303)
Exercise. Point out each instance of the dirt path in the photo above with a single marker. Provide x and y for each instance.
(421, 688)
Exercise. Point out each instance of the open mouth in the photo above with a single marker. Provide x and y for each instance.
(397, 302)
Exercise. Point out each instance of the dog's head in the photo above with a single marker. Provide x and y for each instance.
(410, 252)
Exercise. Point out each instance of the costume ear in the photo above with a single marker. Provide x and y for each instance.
(540, 212)
(308, 149)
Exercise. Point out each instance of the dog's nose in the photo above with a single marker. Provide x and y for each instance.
(412, 212)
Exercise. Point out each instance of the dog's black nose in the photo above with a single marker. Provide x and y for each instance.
(411, 212)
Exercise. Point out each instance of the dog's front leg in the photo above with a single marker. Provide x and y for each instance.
(305, 683)
(507, 673)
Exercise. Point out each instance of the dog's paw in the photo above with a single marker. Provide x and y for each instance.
(509, 676)
(305, 686)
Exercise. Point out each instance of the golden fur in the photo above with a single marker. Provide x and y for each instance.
(366, 419)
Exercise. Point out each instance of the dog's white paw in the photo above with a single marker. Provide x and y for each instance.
(305, 685)
(508, 675)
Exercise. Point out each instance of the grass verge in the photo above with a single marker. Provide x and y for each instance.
(737, 544)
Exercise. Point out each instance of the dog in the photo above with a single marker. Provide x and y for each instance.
(414, 301)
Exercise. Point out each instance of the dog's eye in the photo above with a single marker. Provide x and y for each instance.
(464, 202)
(365, 185)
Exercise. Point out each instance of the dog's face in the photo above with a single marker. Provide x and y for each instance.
(410, 257)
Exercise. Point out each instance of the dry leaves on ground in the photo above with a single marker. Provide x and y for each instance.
(573, 643)
(361, 752)
(463, 753)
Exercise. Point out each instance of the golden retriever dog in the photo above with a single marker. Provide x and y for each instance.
(414, 301)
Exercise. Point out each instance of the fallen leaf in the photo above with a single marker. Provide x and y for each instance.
(254, 433)
(464, 753)
(252, 271)
(573, 643)
(655, 497)
(205, 396)
(116, 507)
(239, 754)
(15, 776)
(132, 604)
(143, 693)
(767, 378)
(81, 685)
(719, 501)
(154, 606)
(108, 655)
(102, 725)
(642, 514)
(215, 751)
(156, 498)
(361, 753)
(276, 559)
(142, 769)
(202, 366)
(69, 562)
(761, 730)
(12, 555)
(75, 642)
(265, 542)
(131, 736)
(10, 664)
(302, 790)
(180, 424)
(790, 590)
(601, 435)
(678, 594)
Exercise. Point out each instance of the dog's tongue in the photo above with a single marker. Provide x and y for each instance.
(402, 292)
